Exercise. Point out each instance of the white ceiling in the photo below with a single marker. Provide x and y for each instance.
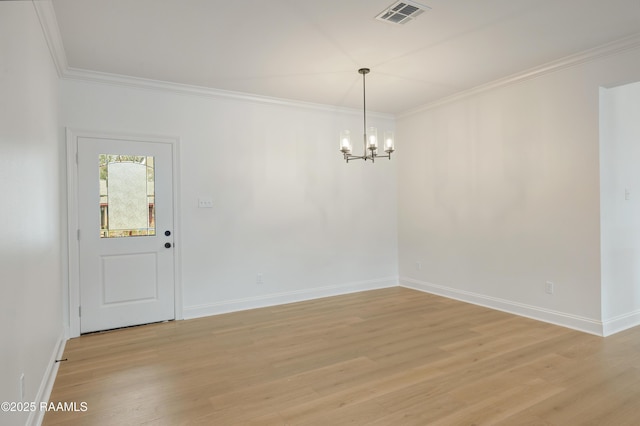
(310, 50)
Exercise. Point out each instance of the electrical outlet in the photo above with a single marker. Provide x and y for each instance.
(419, 266)
(548, 287)
(259, 279)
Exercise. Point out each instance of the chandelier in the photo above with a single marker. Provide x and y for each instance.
(370, 151)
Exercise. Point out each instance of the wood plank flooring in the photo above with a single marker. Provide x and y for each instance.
(385, 357)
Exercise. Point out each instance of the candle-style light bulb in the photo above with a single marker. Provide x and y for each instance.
(345, 142)
(389, 142)
(372, 138)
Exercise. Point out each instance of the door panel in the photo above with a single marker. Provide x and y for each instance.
(126, 267)
(118, 271)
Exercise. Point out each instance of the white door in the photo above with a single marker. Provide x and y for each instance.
(125, 218)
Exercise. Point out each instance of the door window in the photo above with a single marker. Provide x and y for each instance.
(127, 196)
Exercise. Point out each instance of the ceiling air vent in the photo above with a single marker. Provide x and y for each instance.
(402, 12)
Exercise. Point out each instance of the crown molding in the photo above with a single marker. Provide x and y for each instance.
(49, 24)
(186, 89)
(51, 31)
(608, 49)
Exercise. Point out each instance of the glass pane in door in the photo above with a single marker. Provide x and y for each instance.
(127, 196)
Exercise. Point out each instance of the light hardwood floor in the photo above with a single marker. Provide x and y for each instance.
(385, 357)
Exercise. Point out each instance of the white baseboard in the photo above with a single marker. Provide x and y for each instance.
(287, 297)
(46, 385)
(621, 323)
(575, 322)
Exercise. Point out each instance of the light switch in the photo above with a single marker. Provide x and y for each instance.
(205, 202)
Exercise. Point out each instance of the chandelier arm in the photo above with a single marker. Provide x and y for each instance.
(354, 157)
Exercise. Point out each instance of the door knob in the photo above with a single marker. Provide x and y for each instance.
(167, 245)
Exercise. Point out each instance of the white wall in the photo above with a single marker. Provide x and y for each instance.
(285, 203)
(499, 193)
(620, 206)
(30, 253)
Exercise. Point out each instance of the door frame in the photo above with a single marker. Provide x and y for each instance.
(72, 298)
